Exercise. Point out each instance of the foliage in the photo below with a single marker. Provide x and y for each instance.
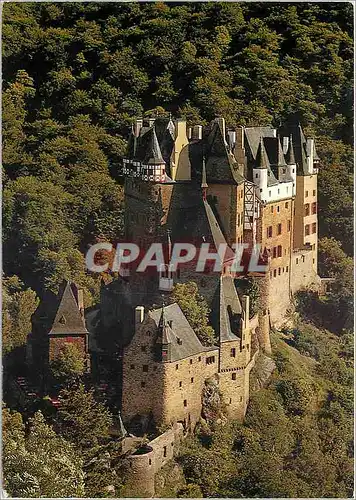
(81, 419)
(69, 362)
(296, 440)
(37, 462)
(18, 305)
(195, 310)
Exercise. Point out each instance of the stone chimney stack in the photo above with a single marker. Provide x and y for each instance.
(139, 315)
(189, 133)
(197, 133)
(138, 126)
(231, 138)
(239, 149)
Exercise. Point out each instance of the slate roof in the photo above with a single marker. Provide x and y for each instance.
(215, 231)
(253, 136)
(290, 159)
(220, 163)
(68, 319)
(181, 337)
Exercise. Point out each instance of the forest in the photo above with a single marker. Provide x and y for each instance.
(75, 76)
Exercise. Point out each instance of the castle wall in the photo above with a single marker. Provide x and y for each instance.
(143, 377)
(184, 382)
(165, 445)
(279, 217)
(229, 201)
(306, 194)
(302, 270)
(234, 357)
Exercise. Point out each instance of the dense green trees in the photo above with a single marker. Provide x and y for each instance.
(37, 462)
(296, 440)
(195, 310)
(75, 76)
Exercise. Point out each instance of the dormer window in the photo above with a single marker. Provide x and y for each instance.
(62, 320)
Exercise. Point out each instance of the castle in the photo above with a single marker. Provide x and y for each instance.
(199, 184)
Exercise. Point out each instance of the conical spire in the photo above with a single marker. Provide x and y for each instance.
(154, 155)
(261, 158)
(290, 159)
(281, 162)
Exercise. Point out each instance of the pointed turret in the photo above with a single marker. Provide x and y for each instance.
(290, 159)
(281, 162)
(153, 155)
(204, 184)
(261, 157)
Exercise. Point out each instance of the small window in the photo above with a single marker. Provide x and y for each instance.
(284, 170)
(199, 359)
(143, 384)
(314, 192)
(279, 251)
(269, 232)
(240, 399)
(176, 367)
(314, 228)
(272, 209)
(279, 229)
(191, 361)
(149, 461)
(307, 230)
(143, 348)
(164, 451)
(192, 380)
(314, 208)
(233, 376)
(279, 271)
(132, 367)
(286, 204)
(287, 268)
(274, 252)
(274, 273)
(145, 368)
(297, 261)
(306, 209)
(256, 175)
(233, 352)
(180, 384)
(293, 172)
(230, 401)
(289, 225)
(306, 194)
(185, 403)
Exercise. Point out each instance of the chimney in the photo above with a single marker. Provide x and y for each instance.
(285, 144)
(138, 126)
(139, 314)
(240, 138)
(310, 150)
(197, 134)
(189, 133)
(232, 138)
(151, 122)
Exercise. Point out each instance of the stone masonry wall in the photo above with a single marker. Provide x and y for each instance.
(184, 382)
